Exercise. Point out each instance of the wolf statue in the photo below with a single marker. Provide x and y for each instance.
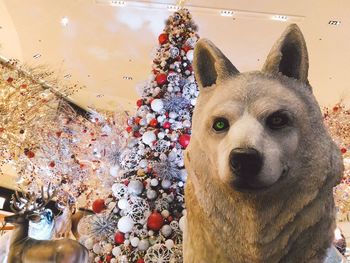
(261, 165)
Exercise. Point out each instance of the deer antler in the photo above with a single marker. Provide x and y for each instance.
(28, 202)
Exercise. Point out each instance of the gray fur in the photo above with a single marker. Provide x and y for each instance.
(292, 218)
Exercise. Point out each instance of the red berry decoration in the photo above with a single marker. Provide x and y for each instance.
(343, 150)
(161, 79)
(184, 140)
(163, 38)
(166, 125)
(155, 221)
(153, 123)
(98, 205)
(52, 164)
(129, 129)
(119, 238)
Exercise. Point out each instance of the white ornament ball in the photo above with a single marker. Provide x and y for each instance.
(135, 187)
(157, 105)
(143, 163)
(125, 224)
(173, 115)
(182, 223)
(161, 135)
(165, 213)
(186, 123)
(189, 55)
(114, 171)
(123, 204)
(89, 243)
(166, 230)
(143, 122)
(143, 245)
(116, 251)
(169, 243)
(107, 248)
(127, 242)
(97, 248)
(135, 241)
(113, 260)
(166, 184)
(151, 194)
(154, 182)
(148, 138)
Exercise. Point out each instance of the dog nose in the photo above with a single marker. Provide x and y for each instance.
(246, 163)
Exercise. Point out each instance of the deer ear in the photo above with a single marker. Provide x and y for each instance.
(289, 55)
(210, 64)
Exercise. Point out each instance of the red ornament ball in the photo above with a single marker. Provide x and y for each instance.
(139, 103)
(163, 38)
(184, 140)
(155, 221)
(166, 125)
(186, 48)
(140, 260)
(343, 150)
(153, 123)
(30, 154)
(119, 238)
(161, 79)
(108, 258)
(98, 205)
(129, 129)
(52, 164)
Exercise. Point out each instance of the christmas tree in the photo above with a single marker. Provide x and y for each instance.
(142, 219)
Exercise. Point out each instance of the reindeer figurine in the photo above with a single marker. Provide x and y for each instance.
(24, 249)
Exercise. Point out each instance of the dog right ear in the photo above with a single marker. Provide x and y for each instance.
(210, 64)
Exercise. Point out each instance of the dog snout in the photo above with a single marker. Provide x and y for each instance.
(246, 163)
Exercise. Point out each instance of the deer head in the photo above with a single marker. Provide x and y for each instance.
(28, 207)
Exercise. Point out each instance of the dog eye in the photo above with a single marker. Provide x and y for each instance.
(277, 120)
(220, 124)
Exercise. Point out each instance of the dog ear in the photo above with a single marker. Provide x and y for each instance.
(289, 55)
(210, 64)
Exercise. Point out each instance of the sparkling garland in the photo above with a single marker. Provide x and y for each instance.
(337, 120)
(147, 197)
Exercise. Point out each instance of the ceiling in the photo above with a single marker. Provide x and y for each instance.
(101, 43)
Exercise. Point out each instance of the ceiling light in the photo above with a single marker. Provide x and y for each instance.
(279, 18)
(226, 13)
(37, 55)
(2, 202)
(334, 22)
(64, 21)
(118, 3)
(173, 7)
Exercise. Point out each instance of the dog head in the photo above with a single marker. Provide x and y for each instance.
(257, 127)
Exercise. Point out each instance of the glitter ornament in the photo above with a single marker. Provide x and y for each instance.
(98, 206)
(174, 52)
(119, 239)
(163, 38)
(143, 245)
(161, 79)
(155, 221)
